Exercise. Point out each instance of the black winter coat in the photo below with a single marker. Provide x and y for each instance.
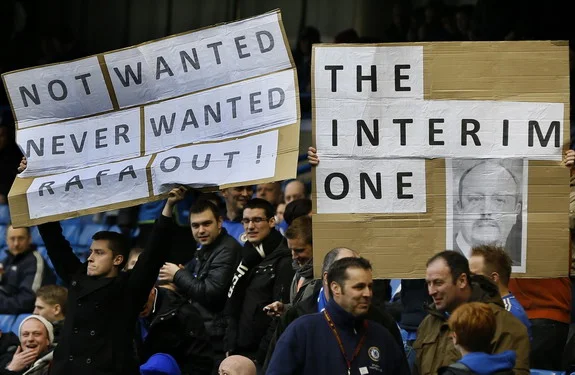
(98, 333)
(206, 280)
(175, 327)
(249, 328)
(23, 275)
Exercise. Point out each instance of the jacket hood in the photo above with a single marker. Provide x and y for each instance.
(482, 290)
(485, 364)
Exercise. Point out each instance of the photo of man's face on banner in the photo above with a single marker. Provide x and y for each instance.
(487, 205)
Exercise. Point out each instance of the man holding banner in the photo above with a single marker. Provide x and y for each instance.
(103, 302)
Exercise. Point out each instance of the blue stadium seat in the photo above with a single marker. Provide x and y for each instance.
(3, 229)
(75, 221)
(4, 214)
(88, 230)
(546, 372)
(36, 238)
(6, 322)
(71, 232)
(133, 233)
(43, 252)
(82, 252)
(17, 321)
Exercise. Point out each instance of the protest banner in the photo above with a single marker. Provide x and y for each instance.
(209, 109)
(431, 146)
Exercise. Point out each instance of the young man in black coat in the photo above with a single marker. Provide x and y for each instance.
(103, 302)
(206, 279)
(263, 276)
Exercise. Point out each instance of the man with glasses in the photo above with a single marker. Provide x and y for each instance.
(263, 276)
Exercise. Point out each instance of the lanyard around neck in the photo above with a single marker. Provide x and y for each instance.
(331, 325)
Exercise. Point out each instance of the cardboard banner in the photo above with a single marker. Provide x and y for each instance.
(140, 124)
(433, 146)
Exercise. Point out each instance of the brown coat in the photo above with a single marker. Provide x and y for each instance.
(434, 348)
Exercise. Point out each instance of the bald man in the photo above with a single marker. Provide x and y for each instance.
(294, 190)
(488, 206)
(237, 365)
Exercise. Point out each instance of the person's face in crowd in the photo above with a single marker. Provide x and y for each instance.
(237, 197)
(132, 260)
(205, 227)
(489, 206)
(18, 240)
(301, 252)
(34, 336)
(257, 225)
(355, 295)
(46, 310)
(271, 192)
(280, 212)
(294, 190)
(447, 294)
(149, 306)
(102, 261)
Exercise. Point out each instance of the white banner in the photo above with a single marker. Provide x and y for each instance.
(229, 111)
(439, 129)
(81, 143)
(359, 73)
(203, 59)
(217, 163)
(86, 188)
(57, 92)
(370, 186)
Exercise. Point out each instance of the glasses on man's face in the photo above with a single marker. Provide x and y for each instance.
(255, 220)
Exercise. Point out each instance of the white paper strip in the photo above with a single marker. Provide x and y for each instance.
(57, 92)
(370, 186)
(216, 164)
(199, 60)
(81, 143)
(224, 112)
(87, 188)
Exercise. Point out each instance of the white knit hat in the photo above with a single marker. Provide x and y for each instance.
(46, 323)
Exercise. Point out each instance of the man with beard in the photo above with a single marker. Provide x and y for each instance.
(299, 240)
(340, 338)
(487, 209)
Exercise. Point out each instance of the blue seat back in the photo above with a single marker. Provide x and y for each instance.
(6, 322)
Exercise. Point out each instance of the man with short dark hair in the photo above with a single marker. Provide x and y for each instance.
(494, 263)
(103, 301)
(340, 338)
(24, 272)
(299, 241)
(262, 277)
(450, 286)
(206, 279)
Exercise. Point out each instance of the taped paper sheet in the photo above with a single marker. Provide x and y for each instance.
(57, 92)
(89, 187)
(370, 186)
(216, 164)
(199, 60)
(224, 112)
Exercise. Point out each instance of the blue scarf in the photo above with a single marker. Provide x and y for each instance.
(321, 300)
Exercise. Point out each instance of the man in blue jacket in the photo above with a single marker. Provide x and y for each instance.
(339, 339)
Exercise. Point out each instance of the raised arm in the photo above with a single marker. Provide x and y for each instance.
(145, 273)
(59, 250)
